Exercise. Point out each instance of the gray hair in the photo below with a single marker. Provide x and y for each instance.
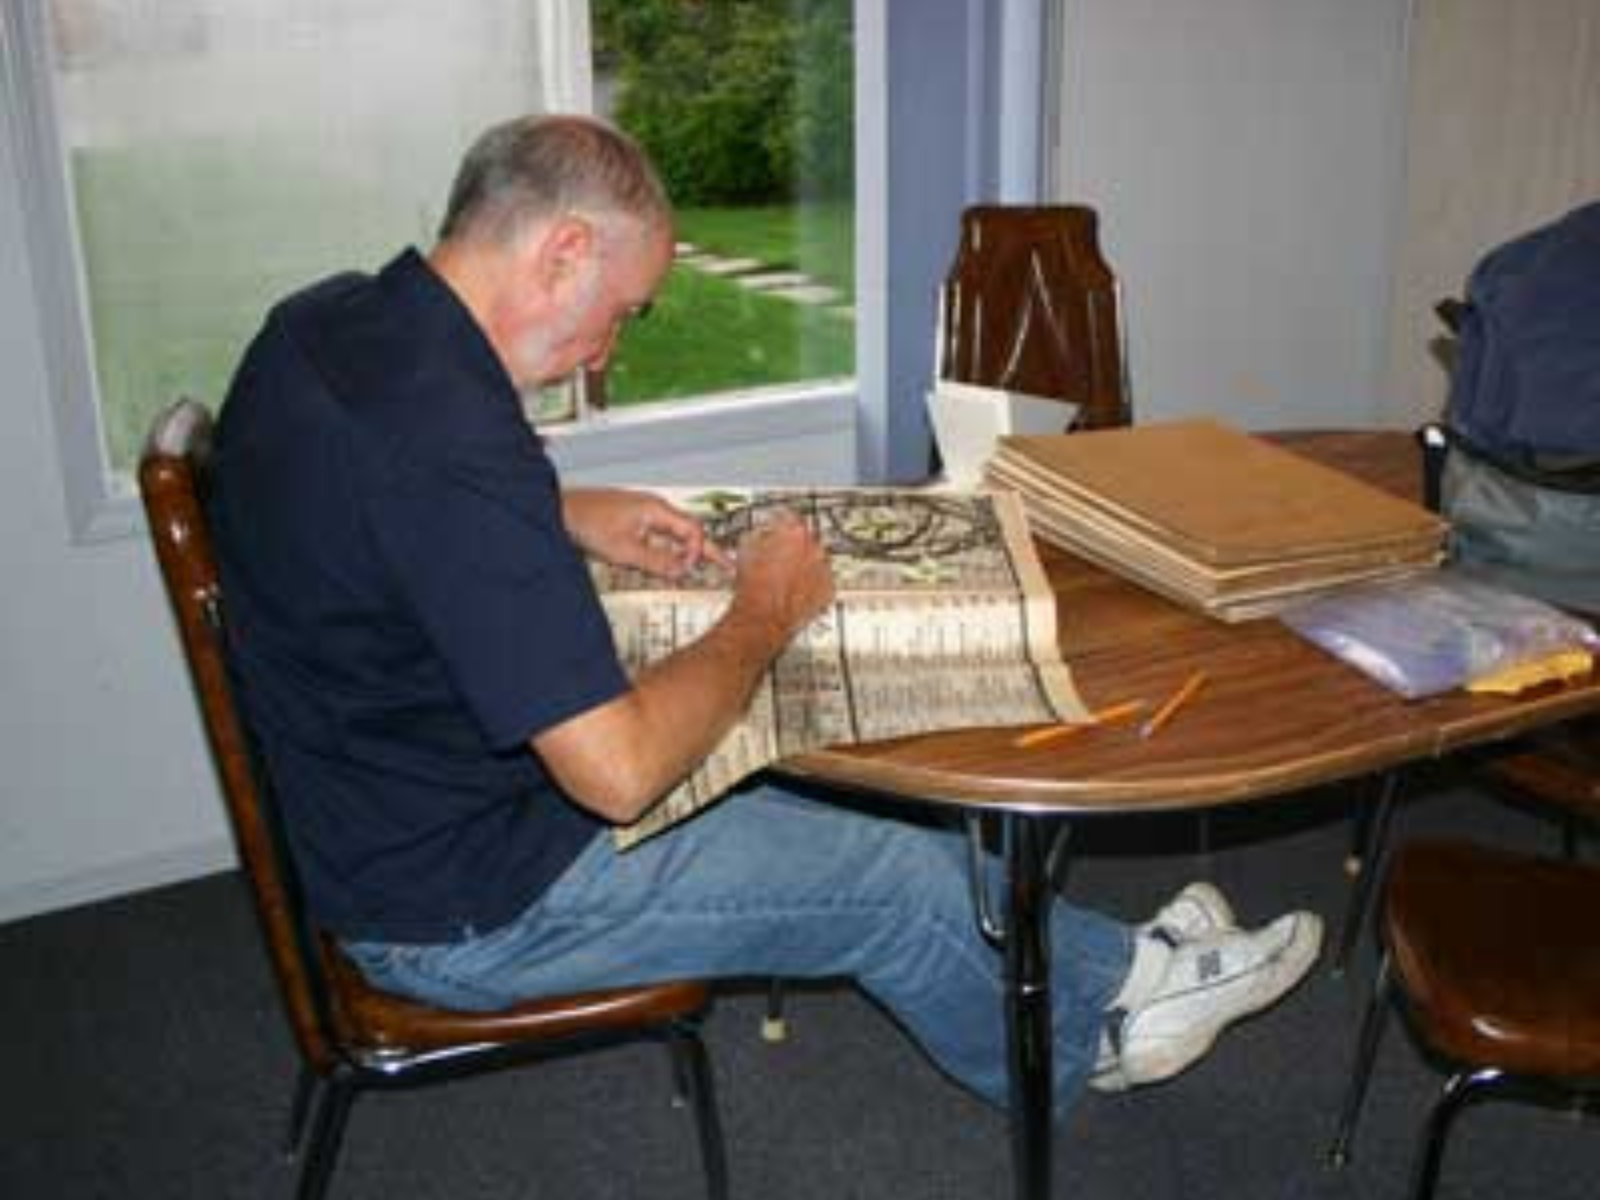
(535, 168)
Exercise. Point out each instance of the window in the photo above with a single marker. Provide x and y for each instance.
(201, 158)
(204, 157)
(746, 107)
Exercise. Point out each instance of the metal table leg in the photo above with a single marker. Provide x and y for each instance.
(1022, 936)
(1029, 1027)
(1370, 859)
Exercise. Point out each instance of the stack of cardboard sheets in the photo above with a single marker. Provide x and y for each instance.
(1212, 517)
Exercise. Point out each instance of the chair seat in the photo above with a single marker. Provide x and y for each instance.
(381, 1021)
(1499, 955)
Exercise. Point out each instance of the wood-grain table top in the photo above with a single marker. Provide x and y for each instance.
(1275, 714)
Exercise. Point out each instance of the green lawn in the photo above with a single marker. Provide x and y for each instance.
(818, 239)
(187, 244)
(707, 335)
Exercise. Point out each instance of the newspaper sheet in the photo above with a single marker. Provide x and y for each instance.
(942, 619)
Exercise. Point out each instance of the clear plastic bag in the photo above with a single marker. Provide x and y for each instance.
(1427, 634)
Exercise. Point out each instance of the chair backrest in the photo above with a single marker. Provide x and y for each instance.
(1030, 305)
(174, 479)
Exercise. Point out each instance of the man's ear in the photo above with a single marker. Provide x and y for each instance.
(562, 255)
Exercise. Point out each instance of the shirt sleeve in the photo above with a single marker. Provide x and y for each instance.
(481, 557)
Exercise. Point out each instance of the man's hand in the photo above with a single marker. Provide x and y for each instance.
(783, 577)
(637, 529)
(620, 757)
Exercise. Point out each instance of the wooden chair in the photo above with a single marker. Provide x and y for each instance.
(1495, 959)
(1031, 305)
(351, 1036)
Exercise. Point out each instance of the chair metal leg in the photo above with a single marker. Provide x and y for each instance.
(1372, 1026)
(692, 1069)
(1057, 839)
(774, 1026)
(1371, 861)
(1458, 1090)
(678, 1057)
(307, 1091)
(325, 1135)
(1361, 827)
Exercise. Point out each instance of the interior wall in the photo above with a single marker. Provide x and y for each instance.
(1245, 158)
(1504, 135)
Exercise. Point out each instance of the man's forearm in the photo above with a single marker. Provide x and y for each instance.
(693, 698)
(577, 508)
(619, 758)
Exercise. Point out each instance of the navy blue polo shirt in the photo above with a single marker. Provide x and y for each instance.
(406, 608)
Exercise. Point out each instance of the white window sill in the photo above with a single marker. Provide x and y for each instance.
(784, 434)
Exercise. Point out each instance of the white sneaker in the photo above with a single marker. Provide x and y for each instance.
(1210, 982)
(1194, 912)
(1199, 909)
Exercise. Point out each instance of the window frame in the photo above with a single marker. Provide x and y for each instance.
(99, 505)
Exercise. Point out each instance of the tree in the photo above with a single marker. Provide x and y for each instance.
(737, 101)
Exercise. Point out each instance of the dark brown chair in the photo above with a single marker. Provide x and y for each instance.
(1030, 305)
(1495, 959)
(352, 1037)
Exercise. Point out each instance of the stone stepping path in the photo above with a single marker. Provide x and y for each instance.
(818, 294)
(753, 274)
(710, 264)
(767, 281)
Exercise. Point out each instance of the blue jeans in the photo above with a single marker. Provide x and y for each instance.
(770, 883)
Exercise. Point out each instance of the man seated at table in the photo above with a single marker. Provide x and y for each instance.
(436, 692)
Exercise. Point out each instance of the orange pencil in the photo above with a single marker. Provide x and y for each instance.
(1050, 733)
(1179, 698)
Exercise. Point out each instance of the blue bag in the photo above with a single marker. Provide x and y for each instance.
(1521, 480)
(1526, 386)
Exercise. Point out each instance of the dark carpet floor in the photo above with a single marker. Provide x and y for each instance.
(142, 1055)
